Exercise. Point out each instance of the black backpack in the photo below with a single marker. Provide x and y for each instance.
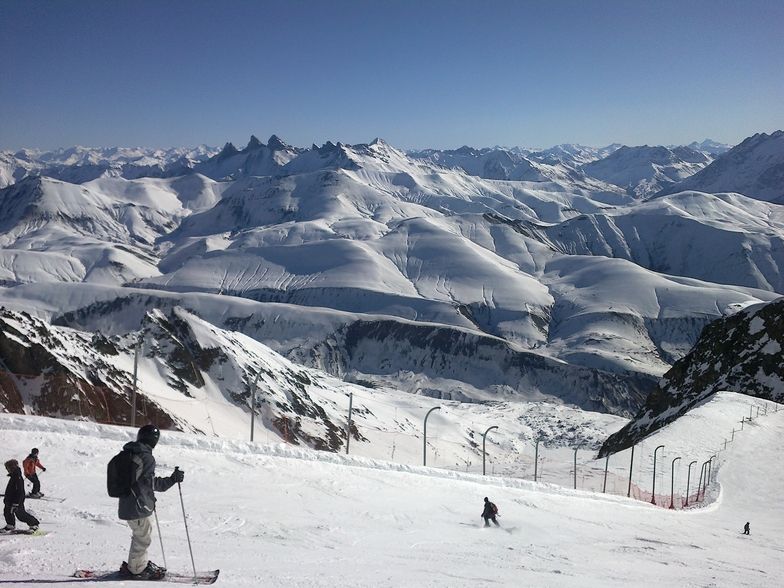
(119, 474)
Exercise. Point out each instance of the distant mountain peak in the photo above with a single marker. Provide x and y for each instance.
(228, 150)
(276, 144)
(329, 148)
(754, 168)
(644, 170)
(710, 146)
(253, 144)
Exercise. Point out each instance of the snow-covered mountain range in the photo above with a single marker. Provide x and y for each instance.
(640, 171)
(469, 275)
(755, 168)
(80, 164)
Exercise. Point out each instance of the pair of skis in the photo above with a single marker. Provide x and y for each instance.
(209, 577)
(104, 576)
(44, 497)
(36, 533)
(195, 578)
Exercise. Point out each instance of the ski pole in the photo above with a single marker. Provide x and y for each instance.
(185, 520)
(157, 524)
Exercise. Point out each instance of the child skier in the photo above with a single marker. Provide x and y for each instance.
(30, 463)
(13, 500)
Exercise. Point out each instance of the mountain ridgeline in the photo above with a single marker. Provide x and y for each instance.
(572, 275)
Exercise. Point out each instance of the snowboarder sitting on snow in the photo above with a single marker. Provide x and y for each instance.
(13, 500)
(29, 464)
(138, 507)
(746, 529)
(489, 513)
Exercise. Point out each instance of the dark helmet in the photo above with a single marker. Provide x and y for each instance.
(485, 498)
(34, 451)
(149, 435)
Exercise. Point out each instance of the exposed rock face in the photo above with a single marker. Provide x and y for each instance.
(420, 358)
(740, 353)
(56, 371)
(63, 373)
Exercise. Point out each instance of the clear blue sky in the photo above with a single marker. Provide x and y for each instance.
(418, 74)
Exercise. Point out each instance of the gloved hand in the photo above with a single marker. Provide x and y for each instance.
(44, 469)
(178, 475)
(13, 508)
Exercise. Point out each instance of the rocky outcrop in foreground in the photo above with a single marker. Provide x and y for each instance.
(740, 353)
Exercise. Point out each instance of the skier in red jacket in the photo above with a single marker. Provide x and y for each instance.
(29, 464)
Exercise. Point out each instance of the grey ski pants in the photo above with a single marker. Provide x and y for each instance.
(140, 542)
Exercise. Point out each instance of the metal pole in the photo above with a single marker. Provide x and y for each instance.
(751, 410)
(688, 479)
(484, 438)
(185, 520)
(575, 468)
(705, 480)
(725, 444)
(253, 389)
(157, 524)
(733, 435)
(672, 483)
(631, 468)
(743, 420)
(135, 369)
(653, 489)
(348, 426)
(606, 465)
(758, 412)
(424, 459)
(699, 485)
(536, 460)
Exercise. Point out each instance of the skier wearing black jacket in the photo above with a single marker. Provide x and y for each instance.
(13, 500)
(138, 507)
(489, 513)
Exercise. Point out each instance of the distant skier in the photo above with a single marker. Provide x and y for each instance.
(746, 529)
(138, 507)
(13, 500)
(489, 513)
(29, 464)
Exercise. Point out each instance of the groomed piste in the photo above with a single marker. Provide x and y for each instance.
(268, 514)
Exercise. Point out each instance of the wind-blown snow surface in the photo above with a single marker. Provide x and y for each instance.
(272, 515)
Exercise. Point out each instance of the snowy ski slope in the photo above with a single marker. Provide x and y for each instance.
(268, 514)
